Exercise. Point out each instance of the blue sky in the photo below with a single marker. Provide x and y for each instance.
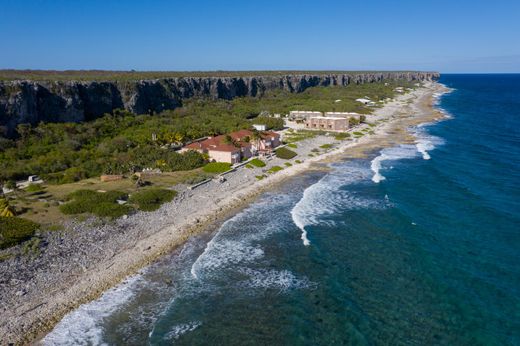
(447, 36)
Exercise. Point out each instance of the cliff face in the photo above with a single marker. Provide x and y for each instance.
(32, 102)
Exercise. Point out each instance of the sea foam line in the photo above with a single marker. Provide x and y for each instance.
(83, 326)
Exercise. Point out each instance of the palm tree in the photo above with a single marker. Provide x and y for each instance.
(256, 136)
(5, 209)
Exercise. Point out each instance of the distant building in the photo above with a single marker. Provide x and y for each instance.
(236, 146)
(336, 124)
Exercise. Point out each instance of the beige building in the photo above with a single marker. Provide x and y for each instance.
(336, 124)
(341, 114)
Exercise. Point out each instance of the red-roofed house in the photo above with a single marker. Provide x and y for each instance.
(243, 145)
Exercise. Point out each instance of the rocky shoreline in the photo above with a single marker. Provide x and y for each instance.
(79, 264)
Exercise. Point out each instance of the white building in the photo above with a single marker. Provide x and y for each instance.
(259, 127)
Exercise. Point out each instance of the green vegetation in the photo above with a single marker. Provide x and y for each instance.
(14, 230)
(288, 164)
(326, 146)
(270, 123)
(300, 135)
(260, 177)
(32, 246)
(292, 145)
(102, 204)
(297, 161)
(285, 153)
(100, 75)
(121, 143)
(6, 210)
(274, 169)
(217, 167)
(257, 162)
(342, 136)
(151, 199)
(357, 133)
(33, 188)
(250, 166)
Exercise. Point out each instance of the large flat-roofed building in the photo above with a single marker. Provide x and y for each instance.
(341, 114)
(336, 124)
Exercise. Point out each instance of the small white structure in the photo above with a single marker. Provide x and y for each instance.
(364, 101)
(33, 178)
(336, 101)
(260, 127)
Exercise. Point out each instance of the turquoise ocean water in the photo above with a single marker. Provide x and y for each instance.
(419, 244)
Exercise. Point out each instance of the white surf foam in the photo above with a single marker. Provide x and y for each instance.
(326, 198)
(233, 245)
(390, 154)
(83, 326)
(425, 142)
(181, 329)
(282, 280)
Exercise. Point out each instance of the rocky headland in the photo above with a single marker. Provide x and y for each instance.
(34, 101)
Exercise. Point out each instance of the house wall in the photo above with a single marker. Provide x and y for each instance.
(327, 124)
(221, 156)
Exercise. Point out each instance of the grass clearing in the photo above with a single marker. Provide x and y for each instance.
(257, 163)
(274, 169)
(217, 167)
(342, 136)
(152, 199)
(285, 153)
(102, 204)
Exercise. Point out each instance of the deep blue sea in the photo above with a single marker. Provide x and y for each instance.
(418, 244)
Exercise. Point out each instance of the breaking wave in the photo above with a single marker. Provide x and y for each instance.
(424, 143)
(83, 326)
(181, 329)
(321, 201)
(403, 151)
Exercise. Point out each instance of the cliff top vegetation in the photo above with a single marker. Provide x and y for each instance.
(103, 75)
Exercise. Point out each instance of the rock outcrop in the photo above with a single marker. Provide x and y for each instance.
(73, 101)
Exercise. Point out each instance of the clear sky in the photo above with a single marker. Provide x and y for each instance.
(446, 36)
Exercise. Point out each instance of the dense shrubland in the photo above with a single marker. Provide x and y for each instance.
(123, 142)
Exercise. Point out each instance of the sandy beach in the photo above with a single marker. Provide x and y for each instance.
(78, 265)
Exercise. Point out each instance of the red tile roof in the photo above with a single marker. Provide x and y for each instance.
(218, 143)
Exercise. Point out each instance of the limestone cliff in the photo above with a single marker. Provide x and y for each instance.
(35, 101)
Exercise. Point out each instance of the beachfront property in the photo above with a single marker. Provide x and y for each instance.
(236, 146)
(335, 124)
